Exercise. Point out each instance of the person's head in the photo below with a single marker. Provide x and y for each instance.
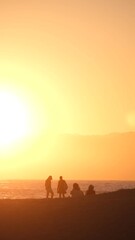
(76, 186)
(91, 187)
(50, 177)
(61, 177)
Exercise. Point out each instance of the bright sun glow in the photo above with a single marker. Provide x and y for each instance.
(13, 119)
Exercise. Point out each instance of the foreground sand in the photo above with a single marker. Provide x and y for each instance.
(107, 216)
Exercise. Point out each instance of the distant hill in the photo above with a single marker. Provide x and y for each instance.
(113, 153)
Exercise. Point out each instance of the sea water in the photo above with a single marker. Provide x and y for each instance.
(23, 189)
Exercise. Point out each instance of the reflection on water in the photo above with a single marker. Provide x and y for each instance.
(21, 189)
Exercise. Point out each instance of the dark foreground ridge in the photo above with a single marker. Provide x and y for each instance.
(109, 216)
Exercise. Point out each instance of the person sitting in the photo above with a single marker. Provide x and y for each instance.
(62, 187)
(76, 191)
(90, 191)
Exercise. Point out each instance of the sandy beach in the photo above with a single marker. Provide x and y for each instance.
(108, 216)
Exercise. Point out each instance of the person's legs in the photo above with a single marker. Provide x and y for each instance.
(52, 194)
(47, 194)
(59, 195)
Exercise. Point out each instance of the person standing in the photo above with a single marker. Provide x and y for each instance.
(48, 187)
(62, 187)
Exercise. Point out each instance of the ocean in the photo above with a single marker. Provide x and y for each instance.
(28, 189)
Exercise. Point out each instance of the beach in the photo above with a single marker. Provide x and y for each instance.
(108, 216)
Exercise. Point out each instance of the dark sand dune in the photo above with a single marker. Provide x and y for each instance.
(108, 216)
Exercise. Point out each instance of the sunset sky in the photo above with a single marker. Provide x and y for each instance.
(65, 67)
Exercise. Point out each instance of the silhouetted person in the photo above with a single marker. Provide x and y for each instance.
(48, 187)
(76, 191)
(90, 191)
(62, 187)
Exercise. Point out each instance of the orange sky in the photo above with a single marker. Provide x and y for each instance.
(72, 64)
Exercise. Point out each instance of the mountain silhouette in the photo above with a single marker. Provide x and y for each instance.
(111, 155)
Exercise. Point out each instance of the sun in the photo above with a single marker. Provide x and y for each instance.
(14, 120)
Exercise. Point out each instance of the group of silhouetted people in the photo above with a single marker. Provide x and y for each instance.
(62, 189)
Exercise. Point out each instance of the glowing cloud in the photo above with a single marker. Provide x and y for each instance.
(131, 119)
